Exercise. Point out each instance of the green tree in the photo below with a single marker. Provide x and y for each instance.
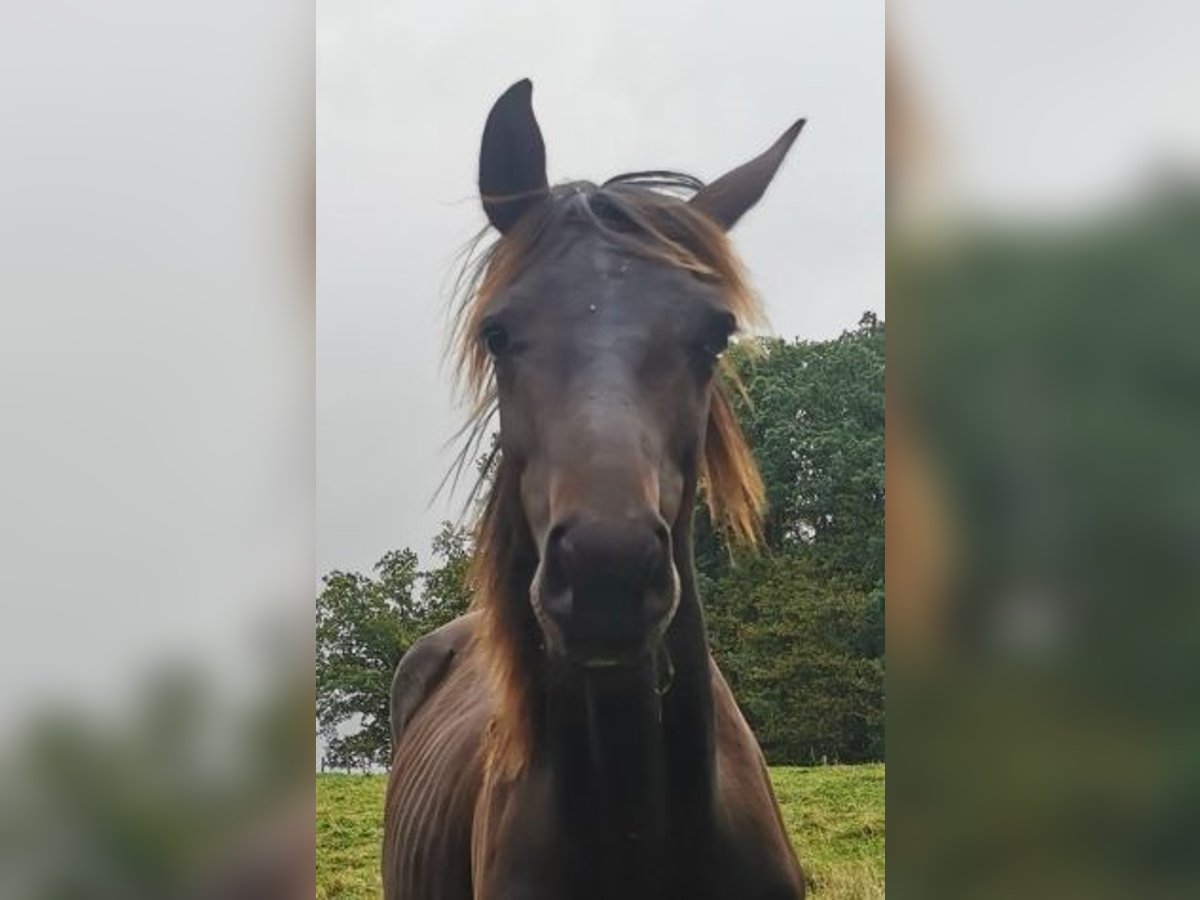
(813, 413)
(799, 630)
(792, 643)
(446, 594)
(363, 628)
(365, 624)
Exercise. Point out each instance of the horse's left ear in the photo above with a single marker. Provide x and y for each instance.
(729, 197)
(512, 160)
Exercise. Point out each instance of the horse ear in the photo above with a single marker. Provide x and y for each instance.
(729, 197)
(512, 159)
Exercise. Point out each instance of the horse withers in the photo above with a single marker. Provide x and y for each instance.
(571, 738)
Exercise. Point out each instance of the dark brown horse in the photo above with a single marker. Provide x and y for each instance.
(571, 738)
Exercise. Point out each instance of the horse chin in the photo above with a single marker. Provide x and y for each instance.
(598, 658)
(600, 663)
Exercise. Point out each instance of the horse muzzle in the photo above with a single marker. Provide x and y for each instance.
(606, 590)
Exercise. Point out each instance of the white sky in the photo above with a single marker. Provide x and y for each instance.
(618, 86)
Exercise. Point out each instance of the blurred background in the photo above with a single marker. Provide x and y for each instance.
(1043, 427)
(156, 465)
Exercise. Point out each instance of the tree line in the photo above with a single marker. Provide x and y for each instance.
(797, 626)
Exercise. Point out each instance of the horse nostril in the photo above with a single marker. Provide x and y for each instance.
(554, 540)
(558, 550)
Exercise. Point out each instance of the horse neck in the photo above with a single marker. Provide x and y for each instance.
(604, 745)
(632, 750)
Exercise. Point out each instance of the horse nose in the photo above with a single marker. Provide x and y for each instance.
(609, 557)
(608, 583)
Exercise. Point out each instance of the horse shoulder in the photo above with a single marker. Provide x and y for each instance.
(424, 667)
(748, 807)
(437, 723)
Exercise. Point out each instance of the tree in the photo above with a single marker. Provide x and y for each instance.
(813, 414)
(447, 594)
(793, 644)
(361, 634)
(364, 626)
(799, 630)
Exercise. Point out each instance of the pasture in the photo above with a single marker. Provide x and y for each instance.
(834, 815)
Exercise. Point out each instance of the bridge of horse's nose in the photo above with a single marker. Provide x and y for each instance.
(607, 578)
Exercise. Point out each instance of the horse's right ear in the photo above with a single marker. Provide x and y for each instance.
(512, 160)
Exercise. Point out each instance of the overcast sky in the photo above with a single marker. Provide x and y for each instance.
(618, 86)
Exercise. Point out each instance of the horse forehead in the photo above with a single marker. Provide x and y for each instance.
(591, 275)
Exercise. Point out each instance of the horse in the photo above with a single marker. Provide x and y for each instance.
(571, 735)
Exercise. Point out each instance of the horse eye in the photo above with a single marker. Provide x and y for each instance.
(716, 341)
(495, 339)
(716, 344)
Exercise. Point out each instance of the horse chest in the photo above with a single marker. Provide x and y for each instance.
(566, 871)
(537, 855)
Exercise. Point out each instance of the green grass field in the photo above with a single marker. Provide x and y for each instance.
(834, 815)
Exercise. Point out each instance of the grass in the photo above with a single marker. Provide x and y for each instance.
(349, 834)
(834, 815)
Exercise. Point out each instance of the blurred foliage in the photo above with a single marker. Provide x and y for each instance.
(1053, 374)
(364, 626)
(1049, 375)
(176, 799)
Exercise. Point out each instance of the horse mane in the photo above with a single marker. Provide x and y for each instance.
(645, 213)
